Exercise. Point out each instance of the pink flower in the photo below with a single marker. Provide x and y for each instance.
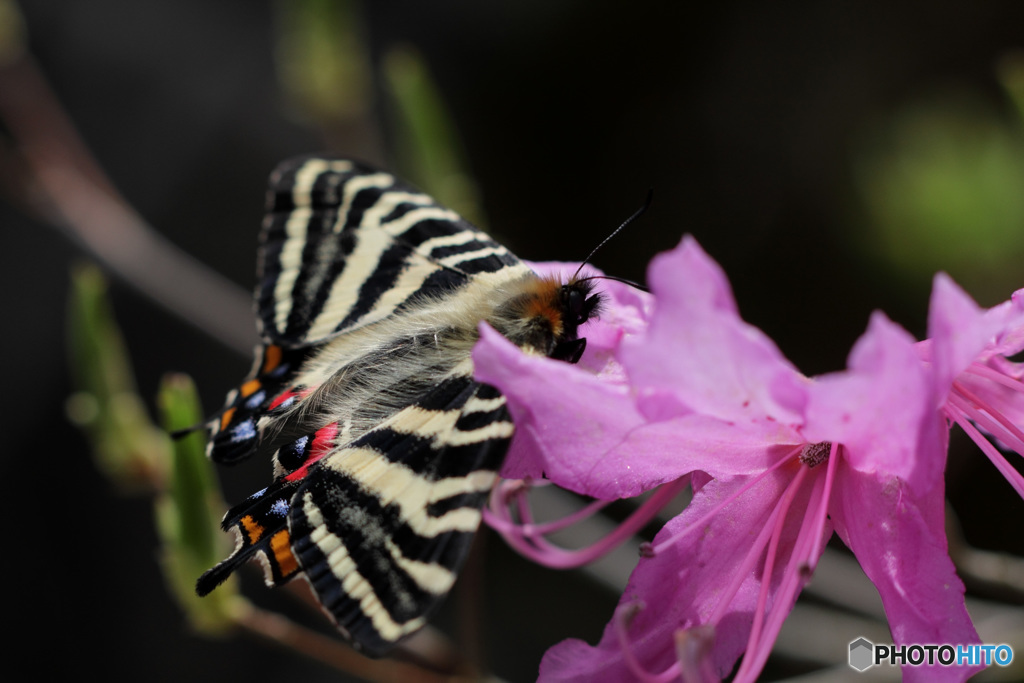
(777, 461)
(584, 409)
(976, 386)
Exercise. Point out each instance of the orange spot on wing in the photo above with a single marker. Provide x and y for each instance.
(254, 530)
(281, 544)
(249, 388)
(225, 419)
(271, 359)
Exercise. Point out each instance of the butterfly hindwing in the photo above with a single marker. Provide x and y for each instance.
(260, 522)
(344, 245)
(382, 525)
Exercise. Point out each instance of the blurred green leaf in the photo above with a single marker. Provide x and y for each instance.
(1011, 75)
(137, 455)
(12, 32)
(942, 185)
(127, 447)
(188, 513)
(428, 148)
(321, 59)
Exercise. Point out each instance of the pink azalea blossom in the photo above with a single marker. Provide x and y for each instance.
(777, 462)
(976, 386)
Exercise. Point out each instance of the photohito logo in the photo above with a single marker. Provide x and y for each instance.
(864, 654)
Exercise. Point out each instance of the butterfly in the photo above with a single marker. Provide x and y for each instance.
(369, 296)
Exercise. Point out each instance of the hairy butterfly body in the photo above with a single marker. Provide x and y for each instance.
(384, 447)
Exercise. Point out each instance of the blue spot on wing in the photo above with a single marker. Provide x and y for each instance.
(243, 431)
(254, 401)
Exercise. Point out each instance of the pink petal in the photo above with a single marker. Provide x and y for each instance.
(959, 331)
(699, 443)
(700, 352)
(565, 418)
(899, 540)
(681, 587)
(1010, 340)
(880, 409)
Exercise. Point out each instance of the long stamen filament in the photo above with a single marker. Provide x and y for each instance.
(744, 570)
(980, 411)
(821, 510)
(525, 540)
(699, 524)
(791, 584)
(769, 563)
(986, 372)
(993, 454)
(623, 616)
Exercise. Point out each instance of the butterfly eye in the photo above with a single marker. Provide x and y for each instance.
(576, 305)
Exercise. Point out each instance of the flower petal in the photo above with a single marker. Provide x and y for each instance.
(699, 351)
(682, 586)
(565, 418)
(899, 540)
(959, 331)
(699, 443)
(881, 409)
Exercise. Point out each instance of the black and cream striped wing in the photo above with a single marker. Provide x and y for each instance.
(344, 245)
(381, 526)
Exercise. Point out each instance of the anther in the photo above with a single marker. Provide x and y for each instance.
(813, 454)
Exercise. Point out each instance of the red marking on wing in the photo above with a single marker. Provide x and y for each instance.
(323, 443)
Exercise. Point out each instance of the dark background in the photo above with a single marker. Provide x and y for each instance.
(744, 117)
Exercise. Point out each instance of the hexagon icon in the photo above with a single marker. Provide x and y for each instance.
(862, 654)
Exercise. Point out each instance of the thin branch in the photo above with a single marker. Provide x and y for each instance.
(330, 651)
(1001, 573)
(72, 193)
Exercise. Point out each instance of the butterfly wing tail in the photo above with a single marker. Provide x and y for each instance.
(260, 526)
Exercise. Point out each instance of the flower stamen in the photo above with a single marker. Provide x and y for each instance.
(624, 616)
(699, 524)
(527, 538)
(985, 372)
(693, 652)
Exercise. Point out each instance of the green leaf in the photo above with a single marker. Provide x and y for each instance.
(322, 63)
(188, 513)
(428, 148)
(127, 447)
(942, 188)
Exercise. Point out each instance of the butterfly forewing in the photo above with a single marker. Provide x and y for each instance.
(344, 245)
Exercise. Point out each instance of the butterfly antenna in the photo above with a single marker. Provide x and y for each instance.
(634, 285)
(636, 214)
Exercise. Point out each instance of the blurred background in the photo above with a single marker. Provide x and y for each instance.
(830, 156)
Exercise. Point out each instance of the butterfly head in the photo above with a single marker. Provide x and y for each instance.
(546, 315)
(578, 303)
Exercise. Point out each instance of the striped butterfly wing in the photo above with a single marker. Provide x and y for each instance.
(382, 525)
(344, 245)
